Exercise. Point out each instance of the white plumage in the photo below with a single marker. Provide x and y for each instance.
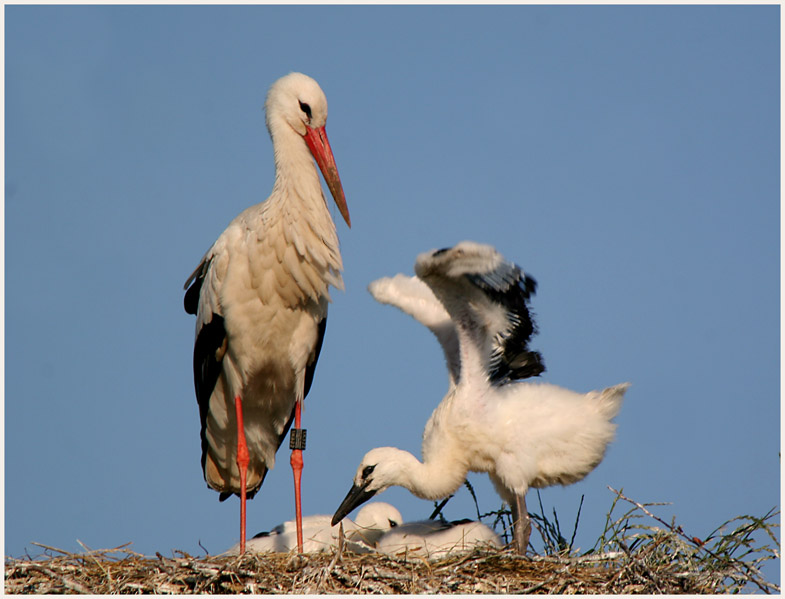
(431, 539)
(260, 296)
(373, 520)
(523, 434)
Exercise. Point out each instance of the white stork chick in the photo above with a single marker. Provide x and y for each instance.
(431, 539)
(523, 434)
(260, 296)
(372, 522)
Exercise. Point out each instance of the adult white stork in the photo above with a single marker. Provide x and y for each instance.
(523, 434)
(260, 296)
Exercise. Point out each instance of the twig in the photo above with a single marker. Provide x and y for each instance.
(438, 507)
(106, 573)
(761, 584)
(52, 548)
(199, 589)
(339, 550)
(474, 496)
(577, 518)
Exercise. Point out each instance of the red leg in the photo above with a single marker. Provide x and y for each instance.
(297, 468)
(243, 459)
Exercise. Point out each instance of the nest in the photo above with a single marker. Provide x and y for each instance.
(482, 571)
(479, 572)
(629, 557)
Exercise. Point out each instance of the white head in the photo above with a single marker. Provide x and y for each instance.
(373, 521)
(296, 103)
(378, 515)
(380, 468)
(466, 257)
(297, 100)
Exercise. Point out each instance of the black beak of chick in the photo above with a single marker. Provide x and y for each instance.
(356, 496)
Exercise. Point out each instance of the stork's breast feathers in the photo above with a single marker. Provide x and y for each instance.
(295, 267)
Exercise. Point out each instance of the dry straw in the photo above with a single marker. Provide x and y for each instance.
(630, 556)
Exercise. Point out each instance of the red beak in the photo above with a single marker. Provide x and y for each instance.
(320, 148)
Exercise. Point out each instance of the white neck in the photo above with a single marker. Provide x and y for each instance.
(432, 479)
(295, 171)
(298, 207)
(472, 342)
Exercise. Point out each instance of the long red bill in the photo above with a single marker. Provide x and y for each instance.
(320, 148)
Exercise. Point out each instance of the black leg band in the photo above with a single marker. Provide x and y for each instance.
(297, 438)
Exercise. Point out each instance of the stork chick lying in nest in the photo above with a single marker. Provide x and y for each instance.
(373, 521)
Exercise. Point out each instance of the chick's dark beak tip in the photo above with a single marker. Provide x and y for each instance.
(355, 497)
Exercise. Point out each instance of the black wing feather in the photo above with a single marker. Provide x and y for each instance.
(191, 299)
(513, 360)
(310, 370)
(208, 354)
(207, 369)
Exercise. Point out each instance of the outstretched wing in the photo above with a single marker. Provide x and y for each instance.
(487, 299)
(412, 296)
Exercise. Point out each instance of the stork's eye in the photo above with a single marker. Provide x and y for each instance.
(367, 471)
(306, 109)
(393, 523)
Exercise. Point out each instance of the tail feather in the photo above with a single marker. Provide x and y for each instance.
(610, 399)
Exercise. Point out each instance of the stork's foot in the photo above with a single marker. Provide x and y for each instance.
(521, 524)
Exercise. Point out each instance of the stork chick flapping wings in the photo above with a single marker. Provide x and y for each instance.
(486, 298)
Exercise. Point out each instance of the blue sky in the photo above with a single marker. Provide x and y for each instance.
(627, 157)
